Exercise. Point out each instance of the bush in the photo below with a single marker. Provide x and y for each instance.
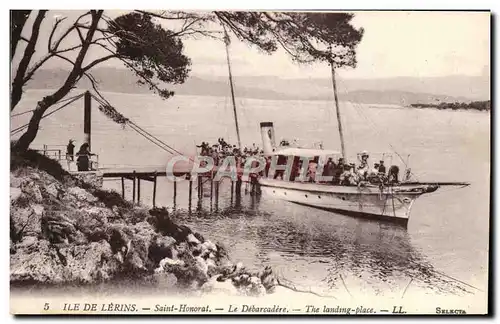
(111, 198)
(34, 159)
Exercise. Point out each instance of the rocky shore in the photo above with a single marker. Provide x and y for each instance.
(64, 230)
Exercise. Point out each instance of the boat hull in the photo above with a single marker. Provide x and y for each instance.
(392, 203)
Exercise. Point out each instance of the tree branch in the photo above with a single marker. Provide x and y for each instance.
(49, 43)
(17, 84)
(68, 31)
(98, 61)
(17, 21)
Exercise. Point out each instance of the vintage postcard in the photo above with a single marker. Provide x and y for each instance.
(170, 162)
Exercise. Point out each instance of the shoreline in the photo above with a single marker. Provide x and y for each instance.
(67, 232)
(390, 105)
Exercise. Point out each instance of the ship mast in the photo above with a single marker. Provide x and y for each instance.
(334, 83)
(226, 41)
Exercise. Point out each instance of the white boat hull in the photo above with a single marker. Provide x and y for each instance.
(390, 203)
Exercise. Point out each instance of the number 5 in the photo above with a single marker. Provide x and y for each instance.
(46, 306)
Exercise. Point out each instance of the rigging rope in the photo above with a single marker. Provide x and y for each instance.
(70, 100)
(141, 131)
(19, 114)
(359, 110)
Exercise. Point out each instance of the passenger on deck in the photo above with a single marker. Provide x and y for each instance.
(373, 176)
(204, 148)
(363, 168)
(347, 177)
(295, 169)
(381, 168)
(311, 170)
(339, 169)
(329, 169)
(393, 174)
(354, 176)
(268, 166)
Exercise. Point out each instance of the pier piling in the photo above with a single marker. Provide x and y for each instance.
(211, 188)
(133, 188)
(123, 188)
(138, 190)
(175, 194)
(154, 190)
(217, 183)
(190, 194)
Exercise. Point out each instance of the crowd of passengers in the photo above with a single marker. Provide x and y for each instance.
(341, 172)
(223, 149)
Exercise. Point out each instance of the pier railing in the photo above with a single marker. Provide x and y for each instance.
(58, 153)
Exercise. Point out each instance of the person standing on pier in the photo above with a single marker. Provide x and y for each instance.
(70, 151)
(83, 160)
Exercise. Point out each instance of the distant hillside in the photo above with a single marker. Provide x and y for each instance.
(403, 91)
(475, 105)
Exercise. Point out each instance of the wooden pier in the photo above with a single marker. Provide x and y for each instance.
(151, 175)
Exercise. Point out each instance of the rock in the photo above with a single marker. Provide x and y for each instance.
(258, 290)
(239, 267)
(223, 287)
(168, 262)
(32, 190)
(137, 257)
(53, 189)
(210, 246)
(58, 228)
(26, 221)
(38, 210)
(207, 249)
(26, 242)
(37, 262)
(89, 263)
(222, 256)
(160, 248)
(15, 193)
(165, 280)
(268, 279)
(15, 182)
(118, 237)
(201, 265)
(254, 281)
(183, 248)
(211, 267)
(93, 222)
(35, 176)
(199, 237)
(91, 179)
(137, 215)
(192, 239)
(82, 195)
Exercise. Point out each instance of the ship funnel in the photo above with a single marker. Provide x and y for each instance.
(268, 139)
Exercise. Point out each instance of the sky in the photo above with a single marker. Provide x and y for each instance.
(399, 43)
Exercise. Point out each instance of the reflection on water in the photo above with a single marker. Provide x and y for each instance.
(259, 231)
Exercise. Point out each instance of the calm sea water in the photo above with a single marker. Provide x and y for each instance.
(448, 231)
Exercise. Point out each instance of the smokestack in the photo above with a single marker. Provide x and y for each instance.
(268, 139)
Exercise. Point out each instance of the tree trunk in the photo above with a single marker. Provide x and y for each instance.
(27, 138)
(18, 83)
(17, 20)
